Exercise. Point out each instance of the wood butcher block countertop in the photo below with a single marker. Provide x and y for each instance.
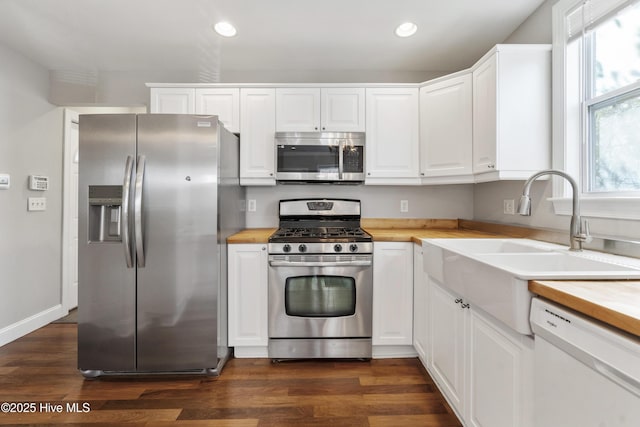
(413, 230)
(251, 235)
(385, 230)
(616, 303)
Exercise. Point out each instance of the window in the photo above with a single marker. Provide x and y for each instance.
(597, 102)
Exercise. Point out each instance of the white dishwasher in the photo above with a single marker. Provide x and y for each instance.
(586, 374)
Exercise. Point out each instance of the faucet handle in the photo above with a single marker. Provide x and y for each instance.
(584, 235)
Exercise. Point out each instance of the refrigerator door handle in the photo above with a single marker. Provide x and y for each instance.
(137, 215)
(124, 212)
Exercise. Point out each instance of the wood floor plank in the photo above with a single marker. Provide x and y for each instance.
(42, 367)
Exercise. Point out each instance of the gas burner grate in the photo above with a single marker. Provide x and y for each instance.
(320, 232)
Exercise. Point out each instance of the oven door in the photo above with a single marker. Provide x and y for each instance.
(320, 296)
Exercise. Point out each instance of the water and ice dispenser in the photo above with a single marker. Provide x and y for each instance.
(105, 204)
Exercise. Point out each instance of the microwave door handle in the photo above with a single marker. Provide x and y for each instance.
(341, 160)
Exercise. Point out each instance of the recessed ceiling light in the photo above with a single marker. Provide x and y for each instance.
(406, 29)
(225, 29)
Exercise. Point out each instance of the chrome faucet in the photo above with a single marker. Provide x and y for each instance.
(578, 230)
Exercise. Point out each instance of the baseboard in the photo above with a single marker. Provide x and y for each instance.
(393, 351)
(251, 352)
(30, 324)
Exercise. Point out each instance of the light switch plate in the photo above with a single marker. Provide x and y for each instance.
(509, 206)
(5, 181)
(37, 204)
(404, 206)
(251, 205)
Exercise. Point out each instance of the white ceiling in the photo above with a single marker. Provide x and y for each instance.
(329, 35)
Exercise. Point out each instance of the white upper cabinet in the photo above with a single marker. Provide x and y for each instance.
(173, 100)
(221, 102)
(342, 109)
(446, 130)
(314, 109)
(224, 103)
(297, 109)
(392, 123)
(512, 112)
(257, 143)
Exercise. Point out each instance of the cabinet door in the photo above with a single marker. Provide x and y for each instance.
(224, 103)
(498, 380)
(392, 155)
(257, 129)
(297, 109)
(342, 109)
(420, 308)
(484, 116)
(173, 100)
(248, 317)
(392, 293)
(447, 335)
(446, 127)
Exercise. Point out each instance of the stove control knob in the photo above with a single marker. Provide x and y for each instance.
(286, 248)
(302, 248)
(337, 248)
(353, 247)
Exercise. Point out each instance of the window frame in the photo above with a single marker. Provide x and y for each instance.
(569, 142)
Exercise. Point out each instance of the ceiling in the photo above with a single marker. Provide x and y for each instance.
(320, 35)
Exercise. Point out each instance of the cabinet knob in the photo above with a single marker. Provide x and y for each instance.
(323, 128)
(368, 173)
(458, 300)
(422, 173)
(491, 166)
(271, 174)
(466, 305)
(264, 248)
(315, 128)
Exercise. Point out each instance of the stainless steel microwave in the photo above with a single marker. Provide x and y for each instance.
(320, 157)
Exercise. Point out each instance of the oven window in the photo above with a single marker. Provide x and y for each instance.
(308, 158)
(320, 296)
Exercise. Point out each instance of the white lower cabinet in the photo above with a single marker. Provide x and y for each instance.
(483, 368)
(420, 305)
(500, 375)
(447, 344)
(248, 304)
(393, 299)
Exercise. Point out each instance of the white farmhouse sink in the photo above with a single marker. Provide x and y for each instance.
(482, 246)
(493, 274)
(558, 265)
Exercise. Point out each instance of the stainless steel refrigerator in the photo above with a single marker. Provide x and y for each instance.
(159, 194)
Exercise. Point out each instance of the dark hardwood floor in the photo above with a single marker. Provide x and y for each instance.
(40, 369)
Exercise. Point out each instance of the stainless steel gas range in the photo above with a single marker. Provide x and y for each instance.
(320, 281)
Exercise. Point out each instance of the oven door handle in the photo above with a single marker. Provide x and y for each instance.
(320, 264)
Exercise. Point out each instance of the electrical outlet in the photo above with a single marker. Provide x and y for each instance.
(37, 204)
(251, 205)
(509, 206)
(404, 206)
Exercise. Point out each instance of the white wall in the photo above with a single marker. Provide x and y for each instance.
(30, 242)
(536, 28)
(446, 201)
